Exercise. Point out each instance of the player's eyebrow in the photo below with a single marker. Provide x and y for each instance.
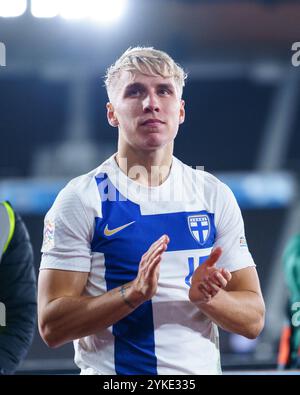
(141, 86)
(134, 85)
(166, 86)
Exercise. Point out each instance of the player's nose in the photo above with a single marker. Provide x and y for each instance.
(150, 103)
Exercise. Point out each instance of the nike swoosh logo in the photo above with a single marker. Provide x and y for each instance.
(110, 232)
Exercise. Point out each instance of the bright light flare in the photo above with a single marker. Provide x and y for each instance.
(45, 8)
(104, 11)
(74, 9)
(107, 11)
(10, 8)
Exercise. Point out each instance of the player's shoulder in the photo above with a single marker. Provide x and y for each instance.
(199, 174)
(81, 191)
(214, 193)
(86, 183)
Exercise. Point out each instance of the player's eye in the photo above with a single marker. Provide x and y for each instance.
(165, 92)
(134, 92)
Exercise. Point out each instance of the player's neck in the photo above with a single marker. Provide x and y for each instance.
(147, 168)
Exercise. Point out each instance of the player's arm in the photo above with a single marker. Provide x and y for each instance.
(66, 314)
(232, 300)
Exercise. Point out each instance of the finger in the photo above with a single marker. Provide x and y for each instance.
(155, 245)
(159, 250)
(158, 247)
(153, 267)
(214, 256)
(226, 274)
(219, 279)
(204, 286)
(204, 292)
(166, 238)
(162, 239)
(214, 288)
(211, 288)
(201, 273)
(161, 243)
(146, 262)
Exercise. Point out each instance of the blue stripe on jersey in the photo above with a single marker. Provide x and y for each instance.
(134, 342)
(134, 334)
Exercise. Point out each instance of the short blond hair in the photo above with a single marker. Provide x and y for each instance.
(146, 60)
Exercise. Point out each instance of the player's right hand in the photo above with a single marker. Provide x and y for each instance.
(145, 284)
(207, 280)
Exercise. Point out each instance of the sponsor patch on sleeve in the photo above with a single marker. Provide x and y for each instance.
(48, 241)
(243, 242)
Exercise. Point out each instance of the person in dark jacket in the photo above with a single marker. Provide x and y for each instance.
(17, 290)
(289, 347)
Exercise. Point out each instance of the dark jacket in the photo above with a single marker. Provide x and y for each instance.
(289, 346)
(18, 294)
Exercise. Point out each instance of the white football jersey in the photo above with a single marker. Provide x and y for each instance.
(103, 222)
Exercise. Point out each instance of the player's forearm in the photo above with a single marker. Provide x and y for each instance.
(72, 317)
(240, 312)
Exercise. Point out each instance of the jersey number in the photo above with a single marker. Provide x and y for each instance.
(191, 265)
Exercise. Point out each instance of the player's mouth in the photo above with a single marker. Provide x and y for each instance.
(152, 122)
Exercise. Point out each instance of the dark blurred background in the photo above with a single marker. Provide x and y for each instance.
(242, 122)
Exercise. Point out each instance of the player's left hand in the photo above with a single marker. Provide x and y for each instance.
(207, 280)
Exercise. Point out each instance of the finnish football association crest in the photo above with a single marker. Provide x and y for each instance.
(199, 226)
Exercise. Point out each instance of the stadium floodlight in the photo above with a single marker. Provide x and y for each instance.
(107, 10)
(100, 10)
(74, 9)
(45, 8)
(10, 8)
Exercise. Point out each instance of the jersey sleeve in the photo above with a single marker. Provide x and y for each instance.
(67, 234)
(230, 232)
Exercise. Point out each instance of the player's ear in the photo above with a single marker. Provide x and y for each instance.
(111, 115)
(181, 112)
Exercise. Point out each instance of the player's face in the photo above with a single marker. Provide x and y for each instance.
(147, 110)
